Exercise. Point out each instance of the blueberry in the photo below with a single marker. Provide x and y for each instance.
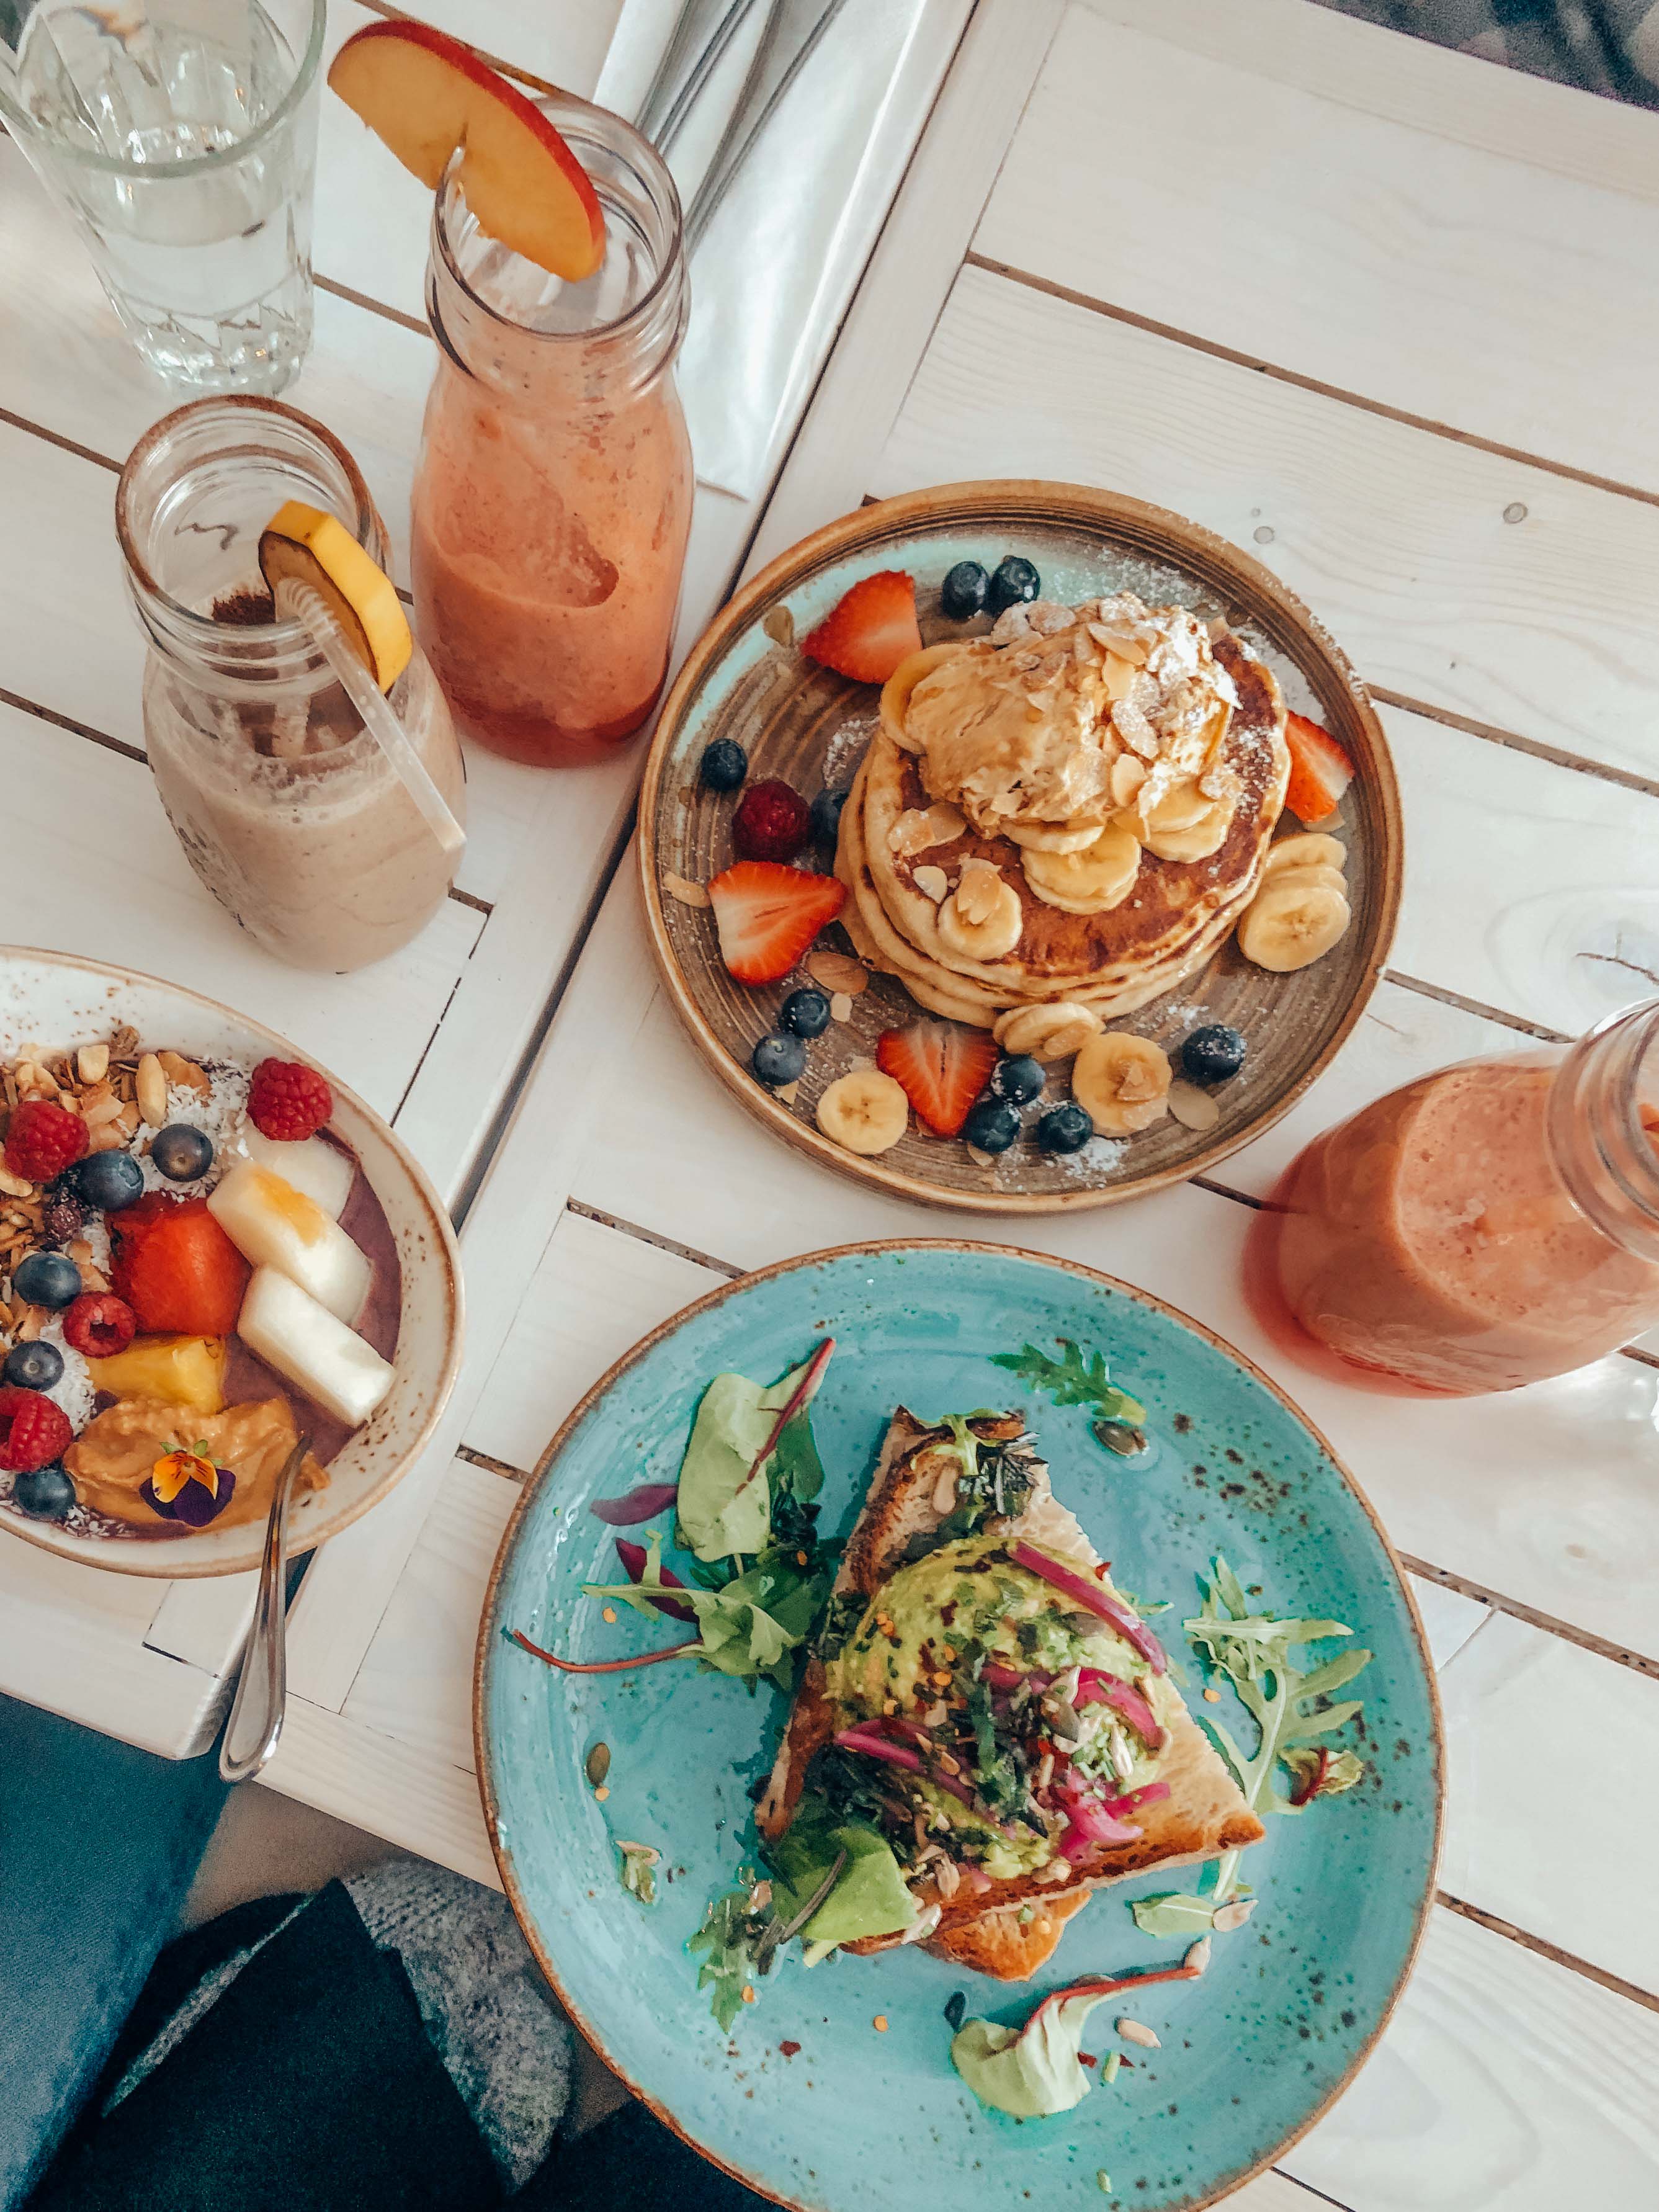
(1015, 580)
(724, 765)
(1065, 1129)
(826, 819)
(34, 1366)
(44, 1493)
(962, 594)
(805, 1014)
(180, 1153)
(778, 1058)
(1019, 1079)
(992, 1125)
(47, 1279)
(110, 1182)
(1212, 1054)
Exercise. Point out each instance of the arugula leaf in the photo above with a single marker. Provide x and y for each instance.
(1076, 1379)
(731, 1928)
(1253, 1651)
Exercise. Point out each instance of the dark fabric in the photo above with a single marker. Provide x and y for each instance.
(309, 2086)
(631, 2163)
(98, 1843)
(1609, 46)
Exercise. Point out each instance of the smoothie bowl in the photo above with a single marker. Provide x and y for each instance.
(209, 1249)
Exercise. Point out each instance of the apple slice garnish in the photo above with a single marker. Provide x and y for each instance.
(427, 95)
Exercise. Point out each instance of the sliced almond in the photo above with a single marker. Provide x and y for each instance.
(841, 1006)
(1193, 1108)
(931, 883)
(779, 624)
(683, 889)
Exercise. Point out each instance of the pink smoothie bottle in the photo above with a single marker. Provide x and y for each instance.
(552, 498)
(1488, 1225)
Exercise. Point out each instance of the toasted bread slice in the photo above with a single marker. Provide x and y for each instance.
(911, 1493)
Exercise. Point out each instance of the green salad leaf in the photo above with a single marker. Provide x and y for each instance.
(1076, 1379)
(731, 1928)
(1253, 1651)
(639, 1870)
(750, 1625)
(1033, 2071)
(722, 1511)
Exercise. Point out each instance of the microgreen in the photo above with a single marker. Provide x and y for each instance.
(1076, 1379)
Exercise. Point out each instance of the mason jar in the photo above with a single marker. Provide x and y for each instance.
(552, 498)
(287, 808)
(1490, 1224)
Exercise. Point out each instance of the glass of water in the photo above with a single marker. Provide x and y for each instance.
(181, 135)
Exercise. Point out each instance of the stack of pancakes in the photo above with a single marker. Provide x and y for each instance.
(1075, 808)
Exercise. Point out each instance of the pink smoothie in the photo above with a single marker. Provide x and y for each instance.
(1429, 1237)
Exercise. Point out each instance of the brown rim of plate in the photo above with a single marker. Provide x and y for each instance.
(489, 1642)
(1249, 590)
(443, 1237)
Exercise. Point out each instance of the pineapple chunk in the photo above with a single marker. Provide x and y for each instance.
(318, 1353)
(182, 1370)
(320, 1169)
(275, 1225)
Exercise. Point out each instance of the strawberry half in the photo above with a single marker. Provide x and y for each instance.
(768, 914)
(1321, 771)
(869, 630)
(941, 1068)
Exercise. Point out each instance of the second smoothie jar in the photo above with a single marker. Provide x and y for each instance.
(552, 498)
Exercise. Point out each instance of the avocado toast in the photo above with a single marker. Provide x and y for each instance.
(981, 1693)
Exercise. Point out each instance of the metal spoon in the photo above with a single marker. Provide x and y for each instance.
(256, 1717)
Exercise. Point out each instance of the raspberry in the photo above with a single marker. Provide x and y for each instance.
(772, 822)
(33, 1431)
(43, 1139)
(99, 1325)
(288, 1101)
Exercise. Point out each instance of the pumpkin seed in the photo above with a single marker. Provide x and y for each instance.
(1121, 1437)
(598, 1763)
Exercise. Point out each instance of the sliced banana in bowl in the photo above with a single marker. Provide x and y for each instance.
(864, 1112)
(1121, 1082)
(1092, 881)
(1288, 925)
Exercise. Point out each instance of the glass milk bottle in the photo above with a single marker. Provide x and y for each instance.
(287, 808)
(1488, 1225)
(553, 494)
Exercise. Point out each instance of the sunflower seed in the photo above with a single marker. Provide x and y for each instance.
(1132, 2031)
(688, 893)
(1229, 1917)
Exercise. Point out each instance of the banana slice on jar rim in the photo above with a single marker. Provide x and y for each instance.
(896, 691)
(1093, 881)
(1121, 1082)
(1051, 836)
(982, 918)
(1289, 925)
(1046, 1033)
(1309, 848)
(1199, 840)
(865, 1112)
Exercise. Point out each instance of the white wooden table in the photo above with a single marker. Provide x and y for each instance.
(1386, 316)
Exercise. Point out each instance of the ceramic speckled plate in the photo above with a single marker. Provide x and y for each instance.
(1290, 2005)
(58, 1001)
(810, 726)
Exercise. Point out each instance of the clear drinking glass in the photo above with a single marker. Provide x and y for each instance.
(286, 807)
(182, 137)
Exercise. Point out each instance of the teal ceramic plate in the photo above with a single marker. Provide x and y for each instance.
(1251, 2054)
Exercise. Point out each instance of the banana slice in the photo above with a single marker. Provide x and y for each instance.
(1311, 849)
(1317, 872)
(1052, 1032)
(1051, 836)
(982, 918)
(896, 691)
(1184, 806)
(1092, 881)
(1199, 840)
(865, 1112)
(1286, 926)
(1122, 1083)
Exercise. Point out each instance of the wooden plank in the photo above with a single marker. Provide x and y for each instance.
(1396, 538)
(1549, 1843)
(1431, 87)
(594, 1294)
(1472, 1484)
(1505, 2083)
(1455, 283)
(831, 464)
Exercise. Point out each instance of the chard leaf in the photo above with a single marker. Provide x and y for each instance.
(1032, 2071)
